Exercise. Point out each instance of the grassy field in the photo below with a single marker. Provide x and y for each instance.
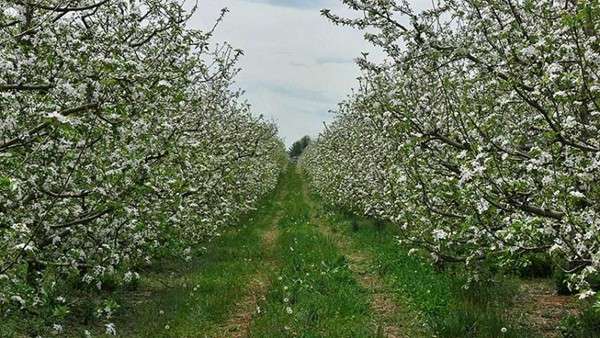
(298, 269)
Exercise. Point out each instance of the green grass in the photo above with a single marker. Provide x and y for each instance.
(449, 309)
(191, 299)
(200, 296)
(584, 325)
(314, 294)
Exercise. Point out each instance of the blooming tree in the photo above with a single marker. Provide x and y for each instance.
(478, 134)
(120, 139)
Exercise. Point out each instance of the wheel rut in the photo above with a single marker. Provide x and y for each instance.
(238, 324)
(391, 320)
(383, 304)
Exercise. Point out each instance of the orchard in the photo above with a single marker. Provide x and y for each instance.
(120, 140)
(453, 193)
(479, 134)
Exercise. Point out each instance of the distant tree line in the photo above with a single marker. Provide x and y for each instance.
(298, 147)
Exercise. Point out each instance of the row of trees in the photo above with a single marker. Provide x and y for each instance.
(478, 135)
(120, 140)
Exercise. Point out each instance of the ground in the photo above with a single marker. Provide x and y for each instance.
(297, 269)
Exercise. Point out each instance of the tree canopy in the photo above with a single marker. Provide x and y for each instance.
(298, 147)
(121, 139)
(478, 135)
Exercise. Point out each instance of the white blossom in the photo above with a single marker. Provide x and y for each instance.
(110, 329)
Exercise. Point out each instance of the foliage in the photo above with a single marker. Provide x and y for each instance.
(586, 324)
(120, 140)
(298, 147)
(478, 135)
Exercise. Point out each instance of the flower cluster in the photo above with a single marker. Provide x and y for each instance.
(120, 139)
(479, 133)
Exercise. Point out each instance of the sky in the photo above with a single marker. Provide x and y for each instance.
(297, 65)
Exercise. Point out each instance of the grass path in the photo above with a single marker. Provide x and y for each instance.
(239, 322)
(314, 293)
(278, 275)
(214, 294)
(295, 269)
(392, 316)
